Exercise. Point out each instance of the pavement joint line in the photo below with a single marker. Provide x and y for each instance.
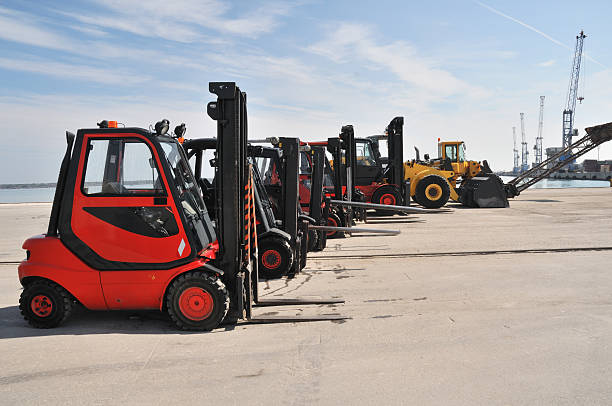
(467, 253)
(438, 254)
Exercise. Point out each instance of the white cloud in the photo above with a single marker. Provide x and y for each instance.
(357, 43)
(505, 54)
(70, 71)
(546, 64)
(182, 20)
(89, 30)
(23, 28)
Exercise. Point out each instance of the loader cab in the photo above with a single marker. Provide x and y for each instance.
(453, 150)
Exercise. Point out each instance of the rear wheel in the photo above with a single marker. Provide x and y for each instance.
(275, 258)
(388, 195)
(432, 192)
(197, 301)
(45, 304)
(333, 221)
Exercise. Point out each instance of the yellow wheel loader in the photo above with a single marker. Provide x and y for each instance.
(434, 181)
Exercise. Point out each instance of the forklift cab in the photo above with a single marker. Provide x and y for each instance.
(131, 186)
(368, 168)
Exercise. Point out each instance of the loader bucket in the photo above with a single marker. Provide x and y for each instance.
(484, 191)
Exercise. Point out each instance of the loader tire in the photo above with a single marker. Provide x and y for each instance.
(432, 192)
(387, 195)
(197, 301)
(275, 258)
(45, 304)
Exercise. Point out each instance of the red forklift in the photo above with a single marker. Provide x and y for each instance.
(129, 229)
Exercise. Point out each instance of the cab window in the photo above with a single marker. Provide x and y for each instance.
(451, 152)
(365, 156)
(120, 167)
(461, 152)
(304, 164)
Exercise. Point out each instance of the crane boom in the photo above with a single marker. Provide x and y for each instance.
(572, 92)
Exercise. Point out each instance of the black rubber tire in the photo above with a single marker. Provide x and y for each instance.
(415, 199)
(275, 258)
(209, 283)
(313, 239)
(421, 195)
(60, 300)
(382, 193)
(333, 220)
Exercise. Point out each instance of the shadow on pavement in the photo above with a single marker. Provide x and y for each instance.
(393, 221)
(541, 200)
(83, 322)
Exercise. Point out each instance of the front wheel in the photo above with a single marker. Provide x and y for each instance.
(275, 258)
(197, 301)
(388, 195)
(432, 192)
(45, 304)
(334, 221)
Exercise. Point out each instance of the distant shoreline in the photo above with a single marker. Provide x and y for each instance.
(28, 185)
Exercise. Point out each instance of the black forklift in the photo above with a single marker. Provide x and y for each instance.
(278, 250)
(278, 167)
(359, 178)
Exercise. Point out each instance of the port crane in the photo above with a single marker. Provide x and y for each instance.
(538, 146)
(572, 94)
(515, 168)
(595, 136)
(524, 151)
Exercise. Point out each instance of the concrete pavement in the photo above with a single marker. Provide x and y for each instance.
(471, 326)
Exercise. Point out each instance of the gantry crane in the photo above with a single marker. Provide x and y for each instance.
(572, 93)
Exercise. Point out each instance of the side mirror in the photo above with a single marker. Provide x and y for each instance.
(426, 156)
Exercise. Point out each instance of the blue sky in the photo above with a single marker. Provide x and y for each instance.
(454, 69)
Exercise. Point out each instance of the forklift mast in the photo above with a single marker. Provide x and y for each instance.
(233, 177)
(347, 135)
(319, 204)
(395, 145)
(335, 149)
(290, 183)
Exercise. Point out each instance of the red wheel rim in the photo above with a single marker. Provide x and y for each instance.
(41, 305)
(332, 223)
(271, 259)
(388, 198)
(196, 303)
